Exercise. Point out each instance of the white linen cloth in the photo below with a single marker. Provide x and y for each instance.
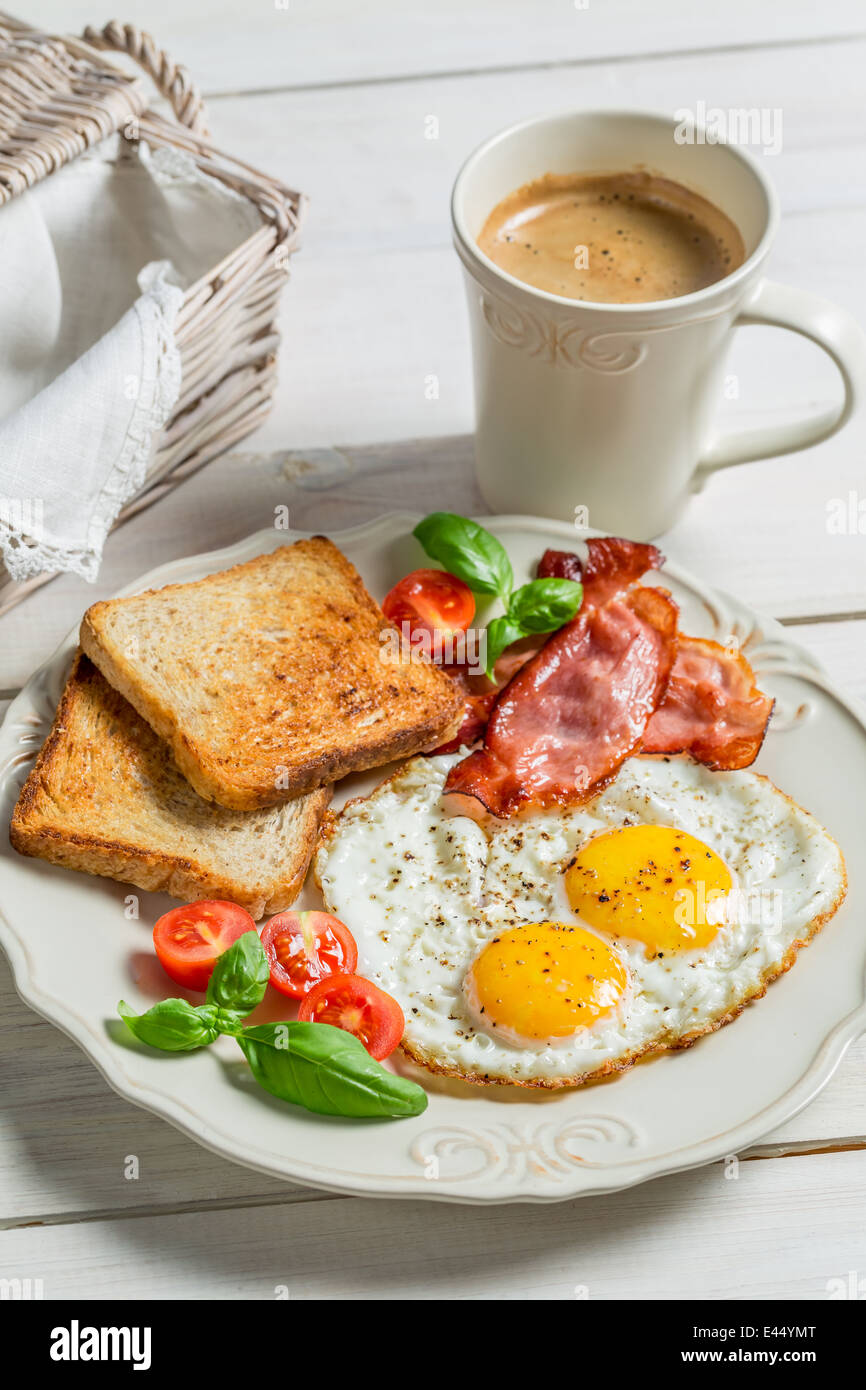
(93, 266)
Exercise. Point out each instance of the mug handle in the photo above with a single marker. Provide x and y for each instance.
(834, 330)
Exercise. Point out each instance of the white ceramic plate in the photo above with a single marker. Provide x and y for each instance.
(75, 950)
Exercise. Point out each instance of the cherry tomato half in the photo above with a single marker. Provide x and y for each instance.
(188, 939)
(358, 1006)
(305, 947)
(430, 601)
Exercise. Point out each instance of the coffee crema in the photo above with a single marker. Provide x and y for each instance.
(612, 238)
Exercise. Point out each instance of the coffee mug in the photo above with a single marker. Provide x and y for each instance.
(604, 412)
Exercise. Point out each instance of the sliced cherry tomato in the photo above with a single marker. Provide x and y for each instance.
(358, 1006)
(430, 601)
(188, 939)
(306, 947)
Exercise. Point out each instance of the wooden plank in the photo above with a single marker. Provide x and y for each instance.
(779, 1228)
(841, 648)
(234, 47)
(378, 162)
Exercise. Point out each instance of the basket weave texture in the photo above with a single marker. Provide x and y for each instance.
(58, 97)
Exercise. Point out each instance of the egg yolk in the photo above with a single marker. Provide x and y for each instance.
(651, 883)
(541, 982)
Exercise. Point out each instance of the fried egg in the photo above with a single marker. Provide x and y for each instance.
(562, 945)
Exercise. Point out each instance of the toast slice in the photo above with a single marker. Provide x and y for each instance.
(272, 678)
(106, 797)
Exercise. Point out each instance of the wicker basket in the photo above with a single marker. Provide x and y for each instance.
(58, 97)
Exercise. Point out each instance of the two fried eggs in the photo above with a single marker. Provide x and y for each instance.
(562, 945)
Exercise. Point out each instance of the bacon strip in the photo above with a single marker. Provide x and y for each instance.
(712, 710)
(612, 565)
(481, 694)
(560, 564)
(477, 704)
(615, 681)
(567, 721)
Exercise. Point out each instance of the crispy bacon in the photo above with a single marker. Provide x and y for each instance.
(567, 721)
(617, 680)
(560, 564)
(477, 704)
(712, 710)
(481, 694)
(612, 565)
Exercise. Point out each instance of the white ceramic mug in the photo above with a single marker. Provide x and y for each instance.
(608, 408)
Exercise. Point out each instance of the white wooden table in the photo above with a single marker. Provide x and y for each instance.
(335, 97)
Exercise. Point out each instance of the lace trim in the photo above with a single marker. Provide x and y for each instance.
(26, 557)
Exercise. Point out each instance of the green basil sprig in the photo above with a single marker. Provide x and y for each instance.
(240, 976)
(326, 1070)
(466, 549)
(314, 1065)
(173, 1025)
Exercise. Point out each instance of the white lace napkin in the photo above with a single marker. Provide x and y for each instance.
(73, 455)
(92, 267)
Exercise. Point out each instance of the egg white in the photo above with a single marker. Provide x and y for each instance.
(424, 891)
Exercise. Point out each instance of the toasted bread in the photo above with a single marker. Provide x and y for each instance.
(106, 797)
(272, 678)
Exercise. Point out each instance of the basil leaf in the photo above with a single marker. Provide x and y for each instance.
(229, 1021)
(173, 1025)
(545, 604)
(467, 550)
(326, 1070)
(240, 976)
(500, 633)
